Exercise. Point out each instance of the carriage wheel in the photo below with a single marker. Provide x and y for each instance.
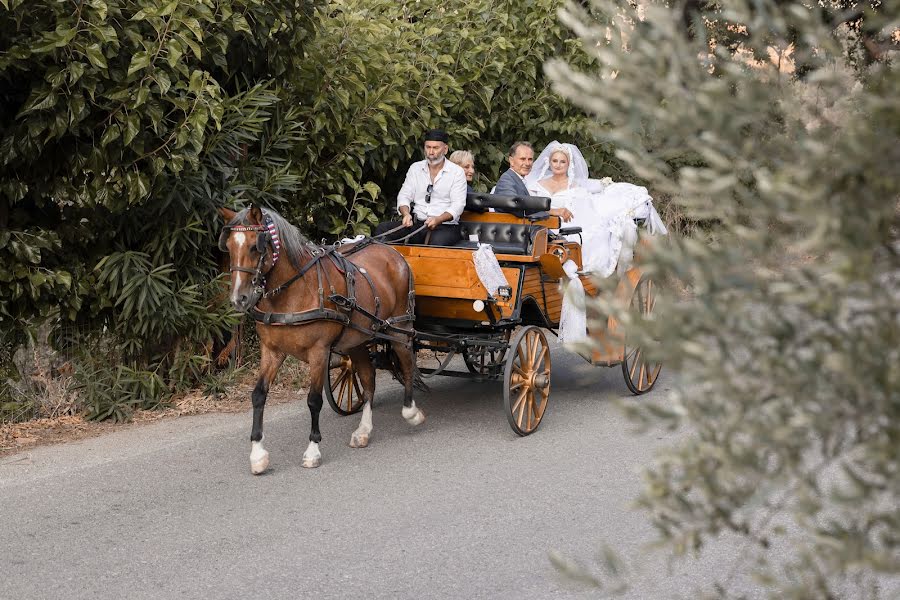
(344, 390)
(640, 374)
(526, 380)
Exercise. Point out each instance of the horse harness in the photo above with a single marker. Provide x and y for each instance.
(346, 305)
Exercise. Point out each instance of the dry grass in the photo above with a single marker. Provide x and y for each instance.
(61, 426)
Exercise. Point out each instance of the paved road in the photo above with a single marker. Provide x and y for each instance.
(458, 508)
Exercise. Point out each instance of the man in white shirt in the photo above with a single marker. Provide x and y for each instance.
(433, 194)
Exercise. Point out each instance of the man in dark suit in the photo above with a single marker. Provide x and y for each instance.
(512, 182)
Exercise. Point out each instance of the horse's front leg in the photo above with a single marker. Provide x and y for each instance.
(312, 458)
(269, 364)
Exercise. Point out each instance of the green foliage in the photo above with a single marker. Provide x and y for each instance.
(378, 73)
(789, 345)
(123, 125)
(116, 391)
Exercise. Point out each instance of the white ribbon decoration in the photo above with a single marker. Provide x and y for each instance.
(573, 318)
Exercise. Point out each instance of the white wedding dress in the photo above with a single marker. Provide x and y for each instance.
(606, 213)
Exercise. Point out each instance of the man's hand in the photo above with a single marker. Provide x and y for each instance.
(433, 222)
(407, 220)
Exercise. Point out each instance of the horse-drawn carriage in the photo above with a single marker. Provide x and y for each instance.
(348, 309)
(500, 335)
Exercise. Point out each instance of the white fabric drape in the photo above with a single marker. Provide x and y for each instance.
(572, 319)
(488, 269)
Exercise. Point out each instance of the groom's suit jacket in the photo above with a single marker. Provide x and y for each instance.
(510, 184)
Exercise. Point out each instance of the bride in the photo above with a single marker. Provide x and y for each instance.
(604, 210)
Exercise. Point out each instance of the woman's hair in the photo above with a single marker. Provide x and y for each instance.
(461, 157)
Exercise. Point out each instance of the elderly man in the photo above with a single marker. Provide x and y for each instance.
(512, 182)
(433, 195)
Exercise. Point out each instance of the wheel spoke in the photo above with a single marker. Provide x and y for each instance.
(637, 359)
(519, 400)
(516, 386)
(342, 392)
(525, 394)
(650, 297)
(641, 377)
(540, 357)
(631, 354)
(340, 378)
(519, 370)
(538, 409)
(529, 412)
(535, 342)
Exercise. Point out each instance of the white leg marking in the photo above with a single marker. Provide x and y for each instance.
(413, 414)
(360, 437)
(312, 458)
(259, 458)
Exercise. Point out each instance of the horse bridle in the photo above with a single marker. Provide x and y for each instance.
(262, 243)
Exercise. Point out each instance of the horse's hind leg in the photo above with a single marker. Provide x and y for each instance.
(366, 371)
(407, 362)
(268, 367)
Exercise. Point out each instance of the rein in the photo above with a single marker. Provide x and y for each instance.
(346, 305)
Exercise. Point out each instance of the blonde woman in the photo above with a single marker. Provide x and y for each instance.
(464, 159)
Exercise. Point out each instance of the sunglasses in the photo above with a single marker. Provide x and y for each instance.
(428, 193)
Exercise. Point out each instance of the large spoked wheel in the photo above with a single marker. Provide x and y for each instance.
(640, 373)
(526, 380)
(343, 388)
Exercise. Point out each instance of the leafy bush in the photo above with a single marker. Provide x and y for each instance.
(789, 344)
(125, 123)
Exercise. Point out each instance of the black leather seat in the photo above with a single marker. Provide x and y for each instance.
(505, 238)
(521, 206)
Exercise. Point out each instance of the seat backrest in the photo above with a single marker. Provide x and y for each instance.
(517, 205)
(505, 238)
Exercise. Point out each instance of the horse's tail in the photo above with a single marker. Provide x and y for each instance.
(397, 372)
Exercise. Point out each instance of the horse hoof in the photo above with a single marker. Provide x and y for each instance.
(311, 462)
(416, 419)
(312, 458)
(359, 440)
(259, 463)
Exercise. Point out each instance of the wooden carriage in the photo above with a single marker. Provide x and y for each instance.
(502, 337)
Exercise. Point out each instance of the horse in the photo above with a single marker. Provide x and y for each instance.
(308, 300)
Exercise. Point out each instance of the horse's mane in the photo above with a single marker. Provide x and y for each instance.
(292, 241)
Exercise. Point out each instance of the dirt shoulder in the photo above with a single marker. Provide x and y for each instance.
(17, 437)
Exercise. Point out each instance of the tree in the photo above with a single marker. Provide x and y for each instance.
(123, 124)
(789, 344)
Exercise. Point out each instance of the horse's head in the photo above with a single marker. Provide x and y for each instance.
(247, 242)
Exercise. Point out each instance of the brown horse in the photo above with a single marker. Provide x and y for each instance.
(308, 300)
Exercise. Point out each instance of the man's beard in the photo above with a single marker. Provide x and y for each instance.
(435, 161)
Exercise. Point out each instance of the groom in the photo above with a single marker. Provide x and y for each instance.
(512, 182)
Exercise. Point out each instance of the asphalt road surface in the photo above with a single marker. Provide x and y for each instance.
(459, 507)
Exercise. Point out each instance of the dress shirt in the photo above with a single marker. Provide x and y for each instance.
(447, 196)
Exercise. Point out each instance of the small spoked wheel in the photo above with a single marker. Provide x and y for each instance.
(343, 388)
(526, 380)
(640, 372)
(483, 361)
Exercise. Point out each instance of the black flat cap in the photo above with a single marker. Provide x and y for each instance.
(437, 135)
